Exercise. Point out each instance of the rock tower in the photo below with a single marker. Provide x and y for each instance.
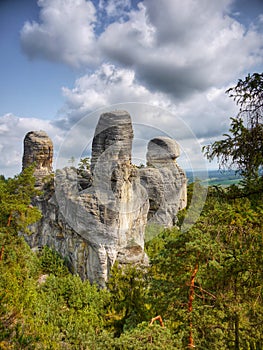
(38, 149)
(98, 216)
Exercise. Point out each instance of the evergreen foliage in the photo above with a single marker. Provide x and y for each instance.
(128, 303)
(204, 278)
(226, 246)
(84, 163)
(206, 284)
(243, 147)
(16, 211)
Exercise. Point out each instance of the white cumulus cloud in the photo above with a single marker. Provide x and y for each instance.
(65, 32)
(202, 117)
(178, 56)
(175, 47)
(107, 86)
(205, 113)
(182, 47)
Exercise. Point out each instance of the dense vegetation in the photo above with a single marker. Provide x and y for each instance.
(204, 283)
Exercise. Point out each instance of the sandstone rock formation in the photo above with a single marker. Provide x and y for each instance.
(113, 134)
(97, 216)
(105, 221)
(38, 149)
(164, 181)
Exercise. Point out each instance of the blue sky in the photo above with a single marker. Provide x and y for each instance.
(30, 88)
(168, 62)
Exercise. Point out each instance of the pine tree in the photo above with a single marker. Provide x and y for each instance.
(16, 210)
(242, 148)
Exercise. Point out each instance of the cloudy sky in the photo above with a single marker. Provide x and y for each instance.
(168, 62)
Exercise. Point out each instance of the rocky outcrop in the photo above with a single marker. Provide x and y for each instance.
(164, 181)
(95, 217)
(38, 149)
(105, 221)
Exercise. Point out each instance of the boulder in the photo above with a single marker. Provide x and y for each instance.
(162, 150)
(164, 181)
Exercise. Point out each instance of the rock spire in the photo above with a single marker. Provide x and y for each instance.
(98, 216)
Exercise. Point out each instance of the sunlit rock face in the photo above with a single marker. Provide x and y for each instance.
(162, 151)
(106, 221)
(98, 216)
(38, 149)
(113, 139)
(164, 181)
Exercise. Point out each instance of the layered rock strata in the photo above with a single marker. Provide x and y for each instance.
(95, 217)
(38, 149)
(105, 222)
(164, 181)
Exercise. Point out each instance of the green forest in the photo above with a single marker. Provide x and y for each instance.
(203, 288)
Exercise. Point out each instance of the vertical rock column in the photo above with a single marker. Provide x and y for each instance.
(113, 133)
(122, 200)
(111, 214)
(38, 149)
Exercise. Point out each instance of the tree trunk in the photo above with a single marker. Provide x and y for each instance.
(190, 306)
(9, 219)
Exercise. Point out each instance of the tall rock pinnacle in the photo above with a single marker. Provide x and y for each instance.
(93, 226)
(38, 149)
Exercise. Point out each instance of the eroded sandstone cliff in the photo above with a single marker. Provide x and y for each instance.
(98, 216)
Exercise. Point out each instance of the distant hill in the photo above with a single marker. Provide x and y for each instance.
(214, 177)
